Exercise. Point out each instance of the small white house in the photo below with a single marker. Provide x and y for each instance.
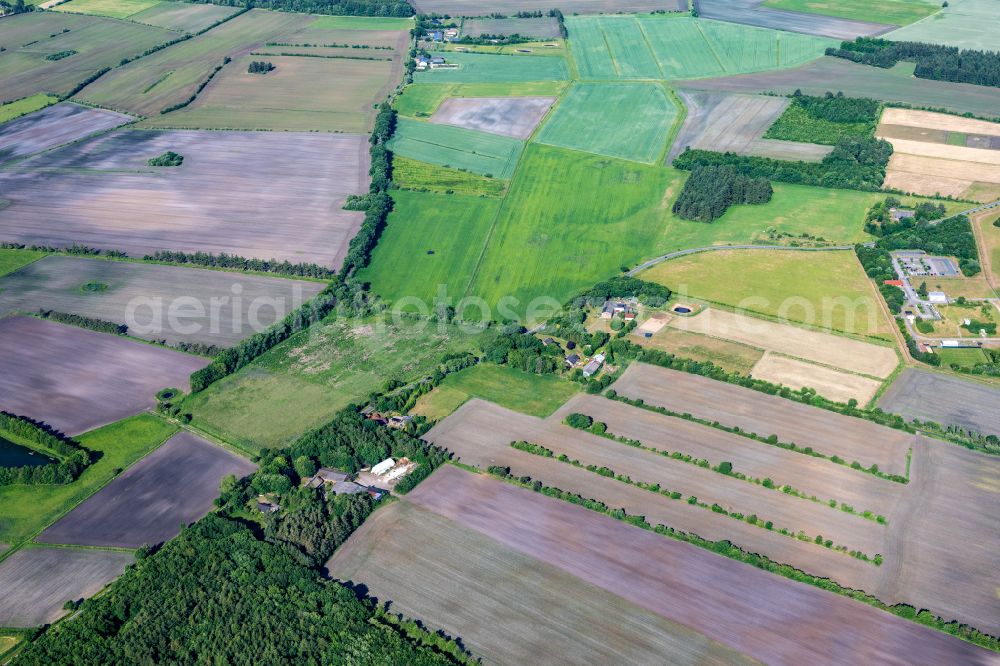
(938, 298)
(383, 467)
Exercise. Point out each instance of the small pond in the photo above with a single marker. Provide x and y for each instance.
(15, 455)
(681, 309)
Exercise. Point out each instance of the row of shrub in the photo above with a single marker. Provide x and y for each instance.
(99, 325)
(201, 86)
(726, 548)
(233, 261)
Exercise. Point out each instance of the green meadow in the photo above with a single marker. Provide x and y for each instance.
(537, 395)
(485, 67)
(478, 152)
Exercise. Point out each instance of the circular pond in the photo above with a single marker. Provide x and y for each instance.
(682, 309)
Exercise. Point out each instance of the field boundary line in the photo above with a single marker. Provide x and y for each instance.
(223, 444)
(31, 538)
(711, 48)
(649, 46)
(611, 55)
(844, 371)
(678, 123)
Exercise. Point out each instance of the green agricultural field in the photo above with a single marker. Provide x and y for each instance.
(537, 395)
(965, 357)
(439, 403)
(411, 174)
(554, 48)
(29, 509)
(304, 381)
(627, 120)
(11, 260)
(967, 24)
(894, 12)
(361, 23)
(97, 42)
(148, 85)
(423, 99)
(653, 47)
(814, 288)
(477, 152)
(111, 8)
(487, 68)
(569, 220)
(455, 228)
(24, 106)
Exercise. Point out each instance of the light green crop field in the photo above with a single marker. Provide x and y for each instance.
(627, 120)
(967, 24)
(11, 260)
(415, 175)
(182, 16)
(894, 12)
(25, 106)
(112, 8)
(29, 509)
(170, 76)
(454, 228)
(569, 220)
(483, 68)
(537, 395)
(423, 99)
(965, 357)
(301, 383)
(651, 47)
(807, 287)
(361, 23)
(98, 42)
(439, 403)
(477, 152)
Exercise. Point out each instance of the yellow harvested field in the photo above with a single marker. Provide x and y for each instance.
(825, 348)
(938, 121)
(931, 164)
(832, 384)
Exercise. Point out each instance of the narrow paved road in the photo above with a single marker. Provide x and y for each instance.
(680, 253)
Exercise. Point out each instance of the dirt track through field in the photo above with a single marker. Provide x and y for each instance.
(54, 126)
(515, 117)
(76, 380)
(256, 194)
(745, 608)
(36, 582)
(210, 307)
(506, 607)
(753, 411)
(173, 486)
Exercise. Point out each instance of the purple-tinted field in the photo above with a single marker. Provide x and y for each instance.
(749, 610)
(54, 126)
(256, 194)
(515, 117)
(76, 380)
(750, 12)
(174, 485)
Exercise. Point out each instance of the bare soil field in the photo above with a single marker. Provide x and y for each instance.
(289, 98)
(750, 12)
(516, 117)
(54, 126)
(813, 476)
(98, 43)
(36, 582)
(511, 7)
(742, 607)
(546, 27)
(456, 579)
(815, 346)
(829, 383)
(255, 194)
(918, 394)
(480, 433)
(735, 123)
(926, 159)
(182, 16)
(753, 411)
(173, 485)
(210, 307)
(76, 380)
(836, 74)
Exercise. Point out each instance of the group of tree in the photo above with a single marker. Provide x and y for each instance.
(951, 237)
(825, 119)
(933, 61)
(711, 190)
(398, 8)
(512, 345)
(260, 67)
(71, 458)
(167, 159)
(99, 325)
(853, 164)
(879, 220)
